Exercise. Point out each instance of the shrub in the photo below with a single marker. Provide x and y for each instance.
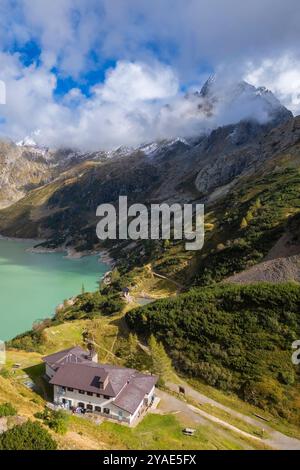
(286, 377)
(7, 409)
(59, 422)
(5, 373)
(257, 220)
(27, 436)
(91, 305)
(28, 341)
(55, 420)
(58, 425)
(263, 393)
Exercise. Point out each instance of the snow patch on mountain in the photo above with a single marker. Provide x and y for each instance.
(27, 142)
(230, 102)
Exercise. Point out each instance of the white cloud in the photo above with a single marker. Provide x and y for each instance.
(139, 100)
(183, 33)
(282, 76)
(137, 103)
(120, 111)
(130, 82)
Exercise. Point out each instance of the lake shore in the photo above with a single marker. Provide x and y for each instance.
(25, 240)
(42, 282)
(71, 252)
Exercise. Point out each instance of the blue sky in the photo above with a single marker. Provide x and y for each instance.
(67, 63)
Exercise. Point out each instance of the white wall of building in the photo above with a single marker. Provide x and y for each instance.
(137, 412)
(75, 398)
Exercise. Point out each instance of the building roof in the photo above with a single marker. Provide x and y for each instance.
(132, 395)
(75, 355)
(83, 377)
(74, 369)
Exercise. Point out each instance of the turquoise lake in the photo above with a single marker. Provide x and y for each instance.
(33, 284)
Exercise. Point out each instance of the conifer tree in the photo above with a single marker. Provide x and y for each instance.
(132, 343)
(249, 216)
(258, 203)
(161, 363)
(244, 223)
(132, 359)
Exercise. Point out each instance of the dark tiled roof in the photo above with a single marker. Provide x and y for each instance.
(83, 377)
(144, 382)
(72, 355)
(118, 377)
(130, 398)
(134, 392)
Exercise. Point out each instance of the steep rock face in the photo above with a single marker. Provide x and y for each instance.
(21, 169)
(65, 209)
(25, 166)
(234, 151)
(230, 152)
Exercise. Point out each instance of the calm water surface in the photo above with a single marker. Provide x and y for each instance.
(33, 284)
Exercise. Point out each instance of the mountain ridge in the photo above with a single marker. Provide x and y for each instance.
(61, 209)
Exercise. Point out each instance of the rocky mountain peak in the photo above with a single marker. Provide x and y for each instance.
(240, 99)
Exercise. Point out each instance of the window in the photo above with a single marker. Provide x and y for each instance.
(81, 391)
(90, 394)
(98, 395)
(106, 411)
(70, 389)
(98, 409)
(89, 407)
(106, 397)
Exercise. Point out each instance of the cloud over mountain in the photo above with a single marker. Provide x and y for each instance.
(136, 103)
(102, 74)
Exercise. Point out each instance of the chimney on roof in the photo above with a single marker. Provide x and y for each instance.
(92, 356)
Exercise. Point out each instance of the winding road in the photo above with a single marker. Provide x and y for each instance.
(274, 439)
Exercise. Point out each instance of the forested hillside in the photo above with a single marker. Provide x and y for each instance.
(237, 338)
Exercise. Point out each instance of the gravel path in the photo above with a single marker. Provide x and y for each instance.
(189, 416)
(275, 439)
